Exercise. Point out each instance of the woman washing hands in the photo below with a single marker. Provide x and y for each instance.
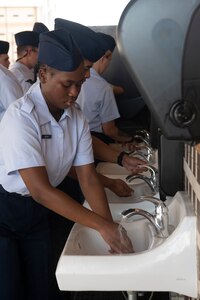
(47, 135)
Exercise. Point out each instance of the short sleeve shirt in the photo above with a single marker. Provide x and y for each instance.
(34, 138)
(10, 89)
(97, 101)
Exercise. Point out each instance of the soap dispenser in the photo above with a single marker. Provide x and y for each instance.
(159, 43)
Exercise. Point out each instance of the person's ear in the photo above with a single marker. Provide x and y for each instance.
(42, 73)
(28, 51)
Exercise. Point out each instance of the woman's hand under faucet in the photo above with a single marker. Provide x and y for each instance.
(118, 187)
(116, 237)
(133, 164)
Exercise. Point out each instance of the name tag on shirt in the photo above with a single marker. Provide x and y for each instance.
(46, 136)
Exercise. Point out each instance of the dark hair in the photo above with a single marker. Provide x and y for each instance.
(22, 49)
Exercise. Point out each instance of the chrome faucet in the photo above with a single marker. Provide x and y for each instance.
(152, 180)
(144, 133)
(145, 156)
(149, 150)
(138, 153)
(159, 220)
(141, 139)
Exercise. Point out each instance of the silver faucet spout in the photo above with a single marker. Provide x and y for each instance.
(144, 133)
(148, 180)
(152, 180)
(147, 149)
(126, 214)
(156, 220)
(143, 155)
(161, 213)
(153, 171)
(141, 139)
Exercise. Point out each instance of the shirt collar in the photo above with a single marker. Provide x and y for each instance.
(35, 100)
(22, 67)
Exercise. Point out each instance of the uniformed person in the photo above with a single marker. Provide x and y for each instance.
(96, 98)
(42, 135)
(92, 47)
(27, 57)
(10, 89)
(40, 27)
(4, 57)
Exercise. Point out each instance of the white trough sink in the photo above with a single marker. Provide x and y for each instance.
(168, 264)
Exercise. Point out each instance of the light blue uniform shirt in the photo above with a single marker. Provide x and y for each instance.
(97, 101)
(10, 89)
(23, 73)
(31, 137)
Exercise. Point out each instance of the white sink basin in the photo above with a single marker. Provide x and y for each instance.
(114, 170)
(86, 241)
(140, 187)
(111, 169)
(139, 190)
(158, 265)
(117, 208)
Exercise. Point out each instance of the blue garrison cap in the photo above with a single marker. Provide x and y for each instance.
(27, 38)
(40, 27)
(91, 45)
(109, 40)
(4, 47)
(58, 50)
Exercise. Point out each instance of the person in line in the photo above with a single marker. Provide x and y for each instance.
(10, 89)
(92, 47)
(40, 27)
(42, 125)
(4, 57)
(92, 50)
(27, 58)
(98, 102)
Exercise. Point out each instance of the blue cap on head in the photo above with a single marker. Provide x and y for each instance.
(4, 47)
(91, 45)
(40, 27)
(110, 41)
(58, 50)
(27, 38)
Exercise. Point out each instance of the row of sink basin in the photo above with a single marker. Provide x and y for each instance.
(159, 263)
